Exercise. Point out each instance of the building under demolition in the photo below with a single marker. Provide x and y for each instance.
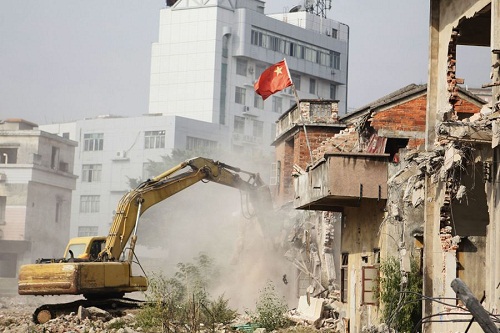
(412, 176)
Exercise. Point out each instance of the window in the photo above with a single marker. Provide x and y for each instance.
(344, 275)
(335, 58)
(333, 91)
(300, 51)
(239, 96)
(89, 203)
(239, 125)
(369, 285)
(241, 67)
(312, 86)
(257, 38)
(203, 145)
(59, 203)
(91, 173)
(258, 128)
(225, 43)
(54, 158)
(223, 90)
(93, 141)
(275, 174)
(296, 80)
(277, 104)
(87, 231)
(274, 43)
(258, 102)
(154, 139)
(3, 206)
(295, 48)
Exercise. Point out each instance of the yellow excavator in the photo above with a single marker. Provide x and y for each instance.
(98, 268)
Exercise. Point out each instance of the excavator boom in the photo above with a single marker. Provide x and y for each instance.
(159, 188)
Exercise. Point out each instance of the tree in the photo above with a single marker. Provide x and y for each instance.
(400, 295)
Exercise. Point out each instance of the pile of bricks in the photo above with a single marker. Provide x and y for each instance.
(343, 142)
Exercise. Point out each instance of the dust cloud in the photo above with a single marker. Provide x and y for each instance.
(210, 218)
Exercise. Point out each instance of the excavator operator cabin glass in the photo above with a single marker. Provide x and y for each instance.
(77, 249)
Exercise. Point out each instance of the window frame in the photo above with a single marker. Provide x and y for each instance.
(91, 205)
(91, 173)
(93, 141)
(239, 95)
(154, 139)
(369, 279)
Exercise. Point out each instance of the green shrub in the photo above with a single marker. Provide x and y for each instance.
(270, 309)
(401, 305)
(163, 301)
(183, 300)
(217, 312)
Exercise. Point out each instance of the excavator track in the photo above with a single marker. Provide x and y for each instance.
(114, 306)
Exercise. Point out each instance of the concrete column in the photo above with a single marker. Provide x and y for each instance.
(493, 231)
(430, 190)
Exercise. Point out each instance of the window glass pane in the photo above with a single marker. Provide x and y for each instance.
(93, 141)
(312, 86)
(89, 204)
(154, 139)
(91, 173)
(277, 104)
(239, 125)
(240, 95)
(258, 128)
(241, 67)
(200, 145)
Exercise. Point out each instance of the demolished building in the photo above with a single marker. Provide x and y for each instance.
(358, 182)
(462, 216)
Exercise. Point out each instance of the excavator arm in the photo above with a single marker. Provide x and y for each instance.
(159, 188)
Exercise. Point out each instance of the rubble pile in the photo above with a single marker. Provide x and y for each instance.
(16, 317)
(345, 141)
(319, 313)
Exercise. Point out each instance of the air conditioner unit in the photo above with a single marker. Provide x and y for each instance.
(3, 177)
(246, 108)
(250, 70)
(121, 154)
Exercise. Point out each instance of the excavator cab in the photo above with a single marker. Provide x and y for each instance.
(84, 248)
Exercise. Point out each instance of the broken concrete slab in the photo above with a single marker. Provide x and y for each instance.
(309, 313)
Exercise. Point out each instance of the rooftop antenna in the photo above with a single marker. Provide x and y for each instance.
(318, 7)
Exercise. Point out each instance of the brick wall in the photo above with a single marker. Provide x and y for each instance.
(409, 116)
(466, 107)
(316, 136)
(296, 152)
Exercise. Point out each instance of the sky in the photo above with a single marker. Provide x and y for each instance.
(64, 60)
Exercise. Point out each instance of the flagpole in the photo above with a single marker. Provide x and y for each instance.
(297, 100)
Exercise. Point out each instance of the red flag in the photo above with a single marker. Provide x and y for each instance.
(273, 79)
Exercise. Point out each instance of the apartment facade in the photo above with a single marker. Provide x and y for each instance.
(210, 53)
(36, 182)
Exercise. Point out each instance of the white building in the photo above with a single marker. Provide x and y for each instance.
(36, 183)
(114, 149)
(210, 53)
